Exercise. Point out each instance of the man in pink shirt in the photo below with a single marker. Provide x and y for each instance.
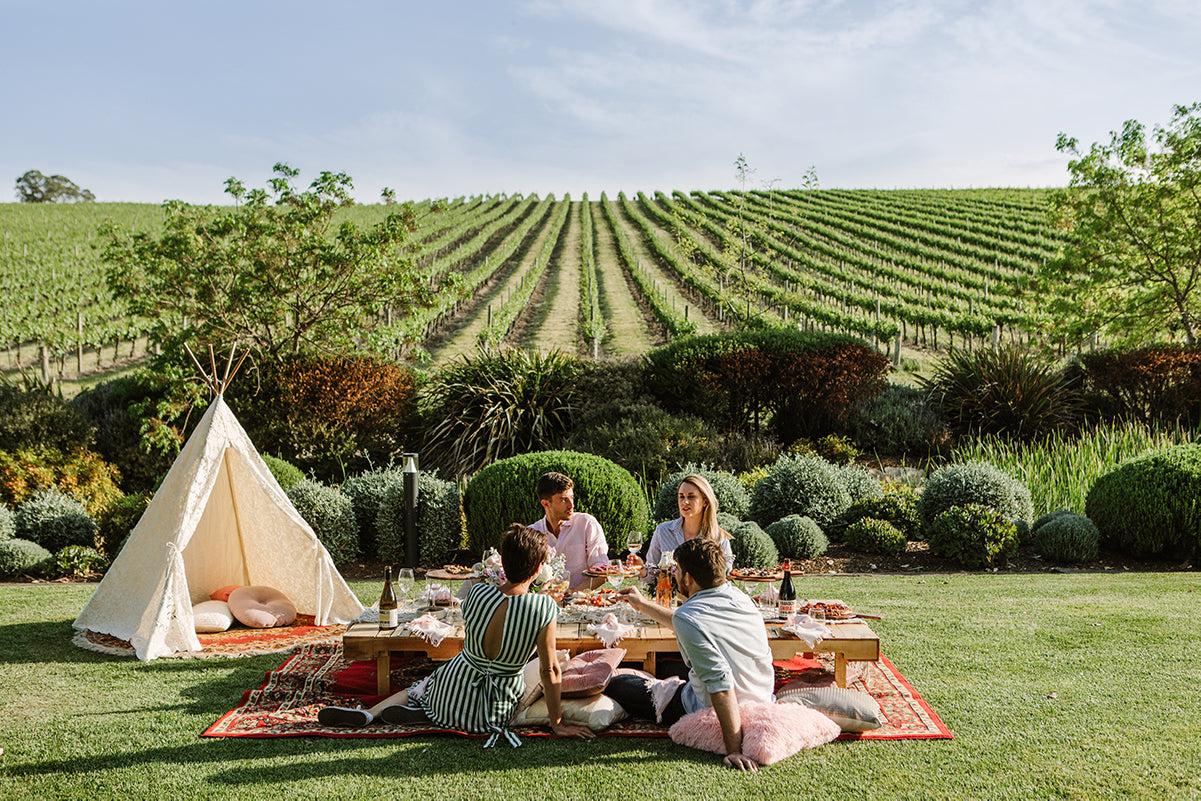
(576, 535)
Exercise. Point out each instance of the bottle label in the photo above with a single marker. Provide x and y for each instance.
(787, 607)
(390, 619)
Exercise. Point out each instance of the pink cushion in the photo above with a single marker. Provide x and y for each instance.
(588, 674)
(261, 607)
(223, 593)
(770, 732)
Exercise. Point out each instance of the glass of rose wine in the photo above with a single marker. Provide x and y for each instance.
(634, 542)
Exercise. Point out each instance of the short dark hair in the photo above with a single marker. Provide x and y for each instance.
(551, 484)
(522, 552)
(704, 560)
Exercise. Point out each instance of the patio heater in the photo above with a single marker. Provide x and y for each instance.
(410, 485)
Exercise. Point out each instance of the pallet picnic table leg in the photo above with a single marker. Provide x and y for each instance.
(383, 672)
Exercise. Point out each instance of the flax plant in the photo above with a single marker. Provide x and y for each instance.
(1060, 468)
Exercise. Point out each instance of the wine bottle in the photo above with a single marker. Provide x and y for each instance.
(388, 612)
(787, 592)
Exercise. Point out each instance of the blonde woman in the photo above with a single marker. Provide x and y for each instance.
(698, 518)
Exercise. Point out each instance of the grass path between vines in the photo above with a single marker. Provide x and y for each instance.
(629, 330)
(463, 339)
(554, 318)
(704, 323)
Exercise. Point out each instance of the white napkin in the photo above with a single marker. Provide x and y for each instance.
(609, 631)
(810, 630)
(430, 629)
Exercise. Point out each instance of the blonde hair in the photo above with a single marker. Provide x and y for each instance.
(710, 530)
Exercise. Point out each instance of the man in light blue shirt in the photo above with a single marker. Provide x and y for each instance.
(723, 641)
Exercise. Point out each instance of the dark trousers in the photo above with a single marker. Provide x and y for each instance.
(634, 695)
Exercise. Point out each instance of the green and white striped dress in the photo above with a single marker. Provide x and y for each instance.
(476, 694)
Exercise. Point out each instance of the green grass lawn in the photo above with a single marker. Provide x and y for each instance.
(1063, 686)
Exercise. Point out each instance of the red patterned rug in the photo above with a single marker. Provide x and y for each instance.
(237, 641)
(286, 703)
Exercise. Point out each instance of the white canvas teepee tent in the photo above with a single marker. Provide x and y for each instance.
(219, 518)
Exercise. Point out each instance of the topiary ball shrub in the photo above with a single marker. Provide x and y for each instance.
(732, 497)
(118, 520)
(55, 520)
(872, 535)
(1150, 504)
(898, 508)
(439, 520)
(973, 535)
(860, 484)
(331, 515)
(753, 548)
(1048, 517)
(76, 561)
(1068, 538)
(974, 483)
(287, 475)
(365, 491)
(797, 537)
(8, 523)
(21, 556)
(503, 493)
(802, 485)
(728, 522)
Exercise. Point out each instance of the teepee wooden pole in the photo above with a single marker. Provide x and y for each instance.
(196, 362)
(228, 364)
(237, 366)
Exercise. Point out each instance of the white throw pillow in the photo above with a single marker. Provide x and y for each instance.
(212, 616)
(597, 713)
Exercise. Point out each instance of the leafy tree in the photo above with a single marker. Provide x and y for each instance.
(273, 271)
(33, 187)
(1131, 266)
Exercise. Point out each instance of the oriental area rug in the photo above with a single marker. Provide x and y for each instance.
(237, 641)
(286, 703)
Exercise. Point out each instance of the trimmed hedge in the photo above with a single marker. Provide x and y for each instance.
(1068, 538)
(365, 492)
(898, 508)
(753, 548)
(55, 520)
(21, 556)
(503, 493)
(331, 515)
(439, 520)
(873, 535)
(974, 535)
(797, 537)
(802, 485)
(8, 524)
(974, 483)
(732, 497)
(287, 475)
(1150, 504)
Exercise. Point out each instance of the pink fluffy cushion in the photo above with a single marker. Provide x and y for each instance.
(588, 674)
(223, 593)
(770, 732)
(261, 607)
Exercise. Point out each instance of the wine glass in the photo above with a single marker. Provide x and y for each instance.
(616, 573)
(634, 542)
(404, 582)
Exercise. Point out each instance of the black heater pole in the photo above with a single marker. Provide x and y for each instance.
(410, 474)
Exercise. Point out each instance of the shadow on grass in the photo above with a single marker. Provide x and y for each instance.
(246, 762)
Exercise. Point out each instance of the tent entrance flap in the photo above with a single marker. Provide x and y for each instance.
(214, 557)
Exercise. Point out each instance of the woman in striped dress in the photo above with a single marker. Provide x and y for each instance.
(479, 689)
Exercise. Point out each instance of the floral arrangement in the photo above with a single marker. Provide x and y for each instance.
(553, 571)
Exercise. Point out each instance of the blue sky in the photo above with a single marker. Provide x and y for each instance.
(149, 101)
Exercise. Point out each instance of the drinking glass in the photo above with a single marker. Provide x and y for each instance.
(404, 582)
(617, 573)
(634, 542)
